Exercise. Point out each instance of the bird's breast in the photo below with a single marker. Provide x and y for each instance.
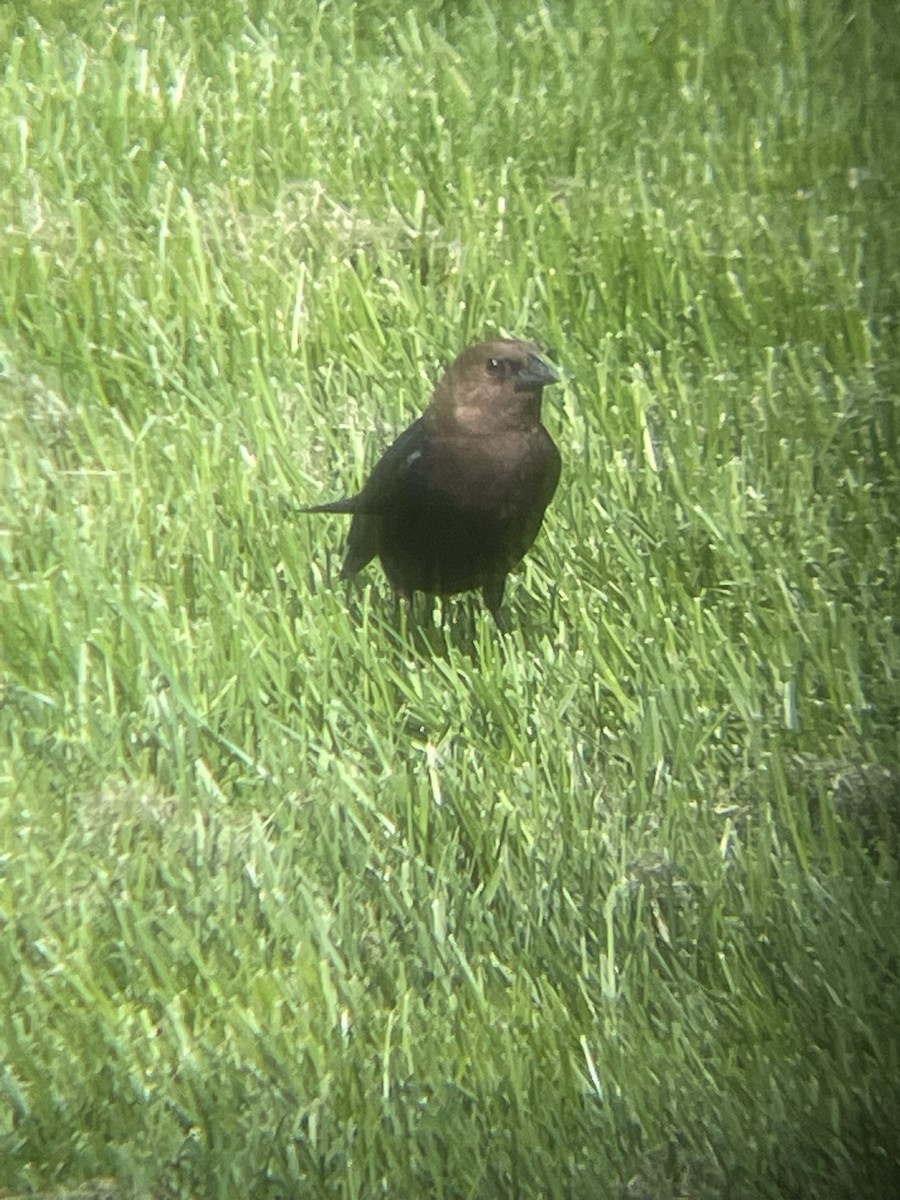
(498, 474)
(467, 511)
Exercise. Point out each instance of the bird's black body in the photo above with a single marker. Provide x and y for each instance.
(456, 501)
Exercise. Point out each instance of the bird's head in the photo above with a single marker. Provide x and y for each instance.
(492, 387)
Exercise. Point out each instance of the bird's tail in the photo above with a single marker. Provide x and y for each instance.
(347, 505)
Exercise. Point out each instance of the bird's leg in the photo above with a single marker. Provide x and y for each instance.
(406, 606)
(492, 591)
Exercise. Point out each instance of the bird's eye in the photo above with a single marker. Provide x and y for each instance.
(493, 365)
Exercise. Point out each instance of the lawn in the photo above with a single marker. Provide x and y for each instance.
(300, 897)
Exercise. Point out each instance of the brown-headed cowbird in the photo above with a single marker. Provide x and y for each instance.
(458, 498)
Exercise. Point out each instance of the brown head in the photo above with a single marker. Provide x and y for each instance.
(492, 387)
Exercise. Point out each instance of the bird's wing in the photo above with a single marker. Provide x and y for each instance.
(382, 492)
(388, 476)
(392, 471)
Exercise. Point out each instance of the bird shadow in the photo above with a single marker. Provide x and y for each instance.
(433, 627)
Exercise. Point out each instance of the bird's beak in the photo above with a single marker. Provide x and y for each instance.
(536, 374)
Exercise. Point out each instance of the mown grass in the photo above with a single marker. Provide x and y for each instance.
(298, 900)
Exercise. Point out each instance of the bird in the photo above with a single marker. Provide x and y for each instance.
(457, 500)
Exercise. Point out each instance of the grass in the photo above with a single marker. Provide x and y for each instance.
(296, 900)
